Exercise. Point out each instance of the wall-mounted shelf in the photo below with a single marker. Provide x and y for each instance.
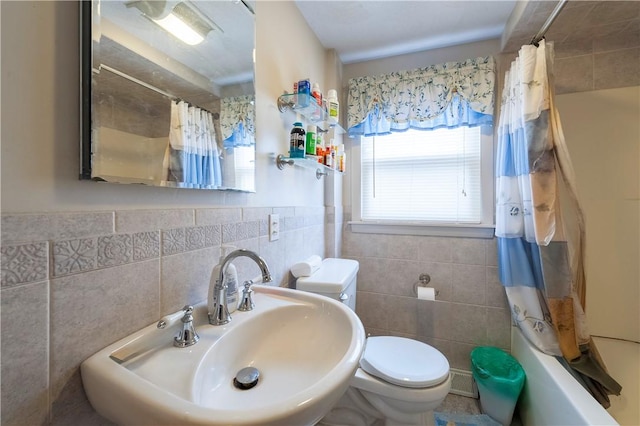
(306, 106)
(310, 162)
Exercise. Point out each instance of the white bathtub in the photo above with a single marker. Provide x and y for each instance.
(551, 396)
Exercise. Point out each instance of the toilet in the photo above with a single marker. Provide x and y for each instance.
(399, 381)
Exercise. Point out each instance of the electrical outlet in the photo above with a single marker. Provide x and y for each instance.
(274, 227)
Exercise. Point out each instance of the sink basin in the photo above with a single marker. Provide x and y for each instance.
(306, 348)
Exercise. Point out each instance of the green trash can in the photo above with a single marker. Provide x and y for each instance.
(500, 379)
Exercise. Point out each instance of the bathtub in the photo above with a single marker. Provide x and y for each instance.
(551, 396)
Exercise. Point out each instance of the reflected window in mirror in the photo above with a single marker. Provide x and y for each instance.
(163, 109)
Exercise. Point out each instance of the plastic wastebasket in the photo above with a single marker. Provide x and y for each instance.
(500, 379)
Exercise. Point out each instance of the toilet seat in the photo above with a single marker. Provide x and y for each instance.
(404, 362)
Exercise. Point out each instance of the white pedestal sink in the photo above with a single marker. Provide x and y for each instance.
(306, 348)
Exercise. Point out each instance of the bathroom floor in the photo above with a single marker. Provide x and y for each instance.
(465, 405)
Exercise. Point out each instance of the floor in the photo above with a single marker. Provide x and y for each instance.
(465, 405)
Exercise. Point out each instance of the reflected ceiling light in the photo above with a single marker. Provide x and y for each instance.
(180, 29)
(183, 20)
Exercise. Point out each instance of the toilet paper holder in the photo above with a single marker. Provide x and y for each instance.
(423, 281)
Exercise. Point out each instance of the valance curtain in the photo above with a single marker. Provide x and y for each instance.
(237, 121)
(540, 224)
(191, 158)
(447, 95)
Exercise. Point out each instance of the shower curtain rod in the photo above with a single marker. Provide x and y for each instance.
(154, 88)
(554, 14)
(140, 82)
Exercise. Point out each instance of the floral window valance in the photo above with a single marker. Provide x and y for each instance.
(446, 95)
(237, 120)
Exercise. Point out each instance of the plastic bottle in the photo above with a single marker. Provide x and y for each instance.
(342, 158)
(311, 140)
(334, 106)
(230, 278)
(297, 141)
(316, 93)
(334, 156)
(329, 155)
(320, 148)
(304, 92)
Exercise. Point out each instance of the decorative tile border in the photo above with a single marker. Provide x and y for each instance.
(195, 238)
(173, 241)
(24, 263)
(73, 256)
(229, 233)
(29, 262)
(146, 245)
(115, 250)
(212, 236)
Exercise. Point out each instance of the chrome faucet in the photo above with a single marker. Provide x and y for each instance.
(220, 314)
(187, 336)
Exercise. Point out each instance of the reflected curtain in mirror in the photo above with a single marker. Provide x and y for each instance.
(161, 110)
(191, 159)
(237, 121)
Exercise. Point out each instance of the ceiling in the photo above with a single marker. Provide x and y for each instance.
(365, 30)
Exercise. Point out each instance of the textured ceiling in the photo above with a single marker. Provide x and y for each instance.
(364, 30)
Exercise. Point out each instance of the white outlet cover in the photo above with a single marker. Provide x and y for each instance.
(274, 227)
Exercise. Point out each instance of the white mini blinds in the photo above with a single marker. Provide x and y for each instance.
(423, 176)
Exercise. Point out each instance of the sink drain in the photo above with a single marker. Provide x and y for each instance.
(246, 378)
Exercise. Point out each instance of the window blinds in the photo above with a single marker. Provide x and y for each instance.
(422, 176)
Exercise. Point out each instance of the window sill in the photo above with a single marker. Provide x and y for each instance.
(452, 230)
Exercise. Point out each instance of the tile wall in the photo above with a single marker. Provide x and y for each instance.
(470, 310)
(73, 283)
(597, 43)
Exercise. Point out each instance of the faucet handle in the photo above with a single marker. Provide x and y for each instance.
(188, 311)
(246, 304)
(187, 336)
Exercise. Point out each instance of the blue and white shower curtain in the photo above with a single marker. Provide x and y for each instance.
(192, 157)
(539, 221)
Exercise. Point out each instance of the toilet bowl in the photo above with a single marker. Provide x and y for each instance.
(400, 381)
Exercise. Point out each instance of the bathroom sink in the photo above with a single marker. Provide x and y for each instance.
(306, 348)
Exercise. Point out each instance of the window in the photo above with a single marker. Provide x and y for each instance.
(440, 178)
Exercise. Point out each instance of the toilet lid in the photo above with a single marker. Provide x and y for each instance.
(404, 362)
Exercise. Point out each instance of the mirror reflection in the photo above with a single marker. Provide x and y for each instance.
(171, 93)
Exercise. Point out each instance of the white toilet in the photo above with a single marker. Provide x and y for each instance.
(400, 381)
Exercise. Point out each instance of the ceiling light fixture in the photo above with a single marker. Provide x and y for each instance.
(183, 20)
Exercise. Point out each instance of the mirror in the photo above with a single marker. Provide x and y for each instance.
(167, 93)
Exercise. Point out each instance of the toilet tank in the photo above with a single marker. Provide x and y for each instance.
(336, 278)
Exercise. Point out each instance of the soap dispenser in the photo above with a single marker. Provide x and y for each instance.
(230, 278)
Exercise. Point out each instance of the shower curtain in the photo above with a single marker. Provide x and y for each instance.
(191, 158)
(540, 225)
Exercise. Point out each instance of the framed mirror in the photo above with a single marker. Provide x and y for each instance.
(167, 95)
